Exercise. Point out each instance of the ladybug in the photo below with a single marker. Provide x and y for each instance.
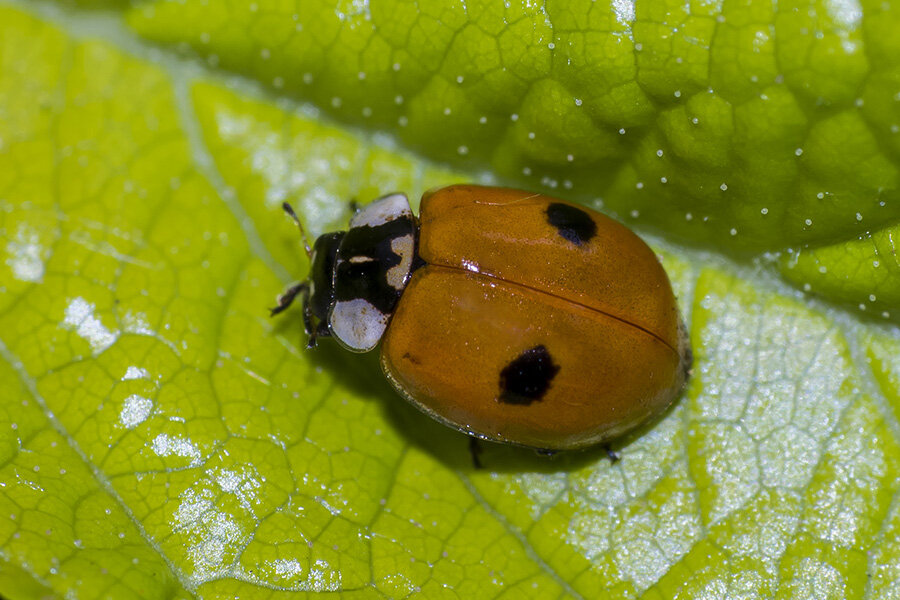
(508, 315)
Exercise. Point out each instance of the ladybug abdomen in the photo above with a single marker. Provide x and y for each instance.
(514, 364)
(551, 246)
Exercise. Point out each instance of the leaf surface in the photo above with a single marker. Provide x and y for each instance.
(747, 126)
(161, 437)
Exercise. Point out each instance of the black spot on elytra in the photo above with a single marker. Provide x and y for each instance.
(528, 377)
(572, 223)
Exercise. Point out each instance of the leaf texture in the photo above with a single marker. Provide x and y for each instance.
(161, 437)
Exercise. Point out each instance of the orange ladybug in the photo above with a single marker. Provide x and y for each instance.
(508, 315)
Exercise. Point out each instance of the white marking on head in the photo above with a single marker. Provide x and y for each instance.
(403, 247)
(385, 209)
(356, 324)
(360, 259)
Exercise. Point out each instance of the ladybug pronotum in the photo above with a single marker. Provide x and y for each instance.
(508, 315)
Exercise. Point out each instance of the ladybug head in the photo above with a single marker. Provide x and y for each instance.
(357, 276)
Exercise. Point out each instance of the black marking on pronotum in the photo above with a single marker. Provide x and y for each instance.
(417, 261)
(572, 223)
(367, 279)
(528, 377)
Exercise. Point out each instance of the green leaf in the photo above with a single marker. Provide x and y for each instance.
(863, 273)
(161, 437)
(746, 126)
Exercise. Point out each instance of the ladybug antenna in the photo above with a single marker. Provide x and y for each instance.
(290, 212)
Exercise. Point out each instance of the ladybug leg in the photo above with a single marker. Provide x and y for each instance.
(287, 298)
(611, 454)
(320, 330)
(545, 452)
(475, 450)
